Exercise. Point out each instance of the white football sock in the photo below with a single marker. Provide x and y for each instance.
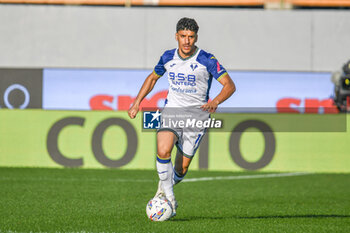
(166, 174)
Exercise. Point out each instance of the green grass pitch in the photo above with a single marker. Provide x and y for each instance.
(79, 200)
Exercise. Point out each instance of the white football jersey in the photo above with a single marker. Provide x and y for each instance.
(189, 79)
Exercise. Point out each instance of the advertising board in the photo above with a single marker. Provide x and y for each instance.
(100, 139)
(20, 88)
(103, 89)
(293, 92)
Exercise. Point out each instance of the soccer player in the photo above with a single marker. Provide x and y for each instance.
(190, 73)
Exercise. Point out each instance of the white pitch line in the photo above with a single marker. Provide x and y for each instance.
(246, 177)
(155, 180)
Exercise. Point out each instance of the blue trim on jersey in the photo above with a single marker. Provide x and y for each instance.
(213, 66)
(202, 58)
(167, 56)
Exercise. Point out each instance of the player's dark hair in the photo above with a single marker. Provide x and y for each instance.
(187, 24)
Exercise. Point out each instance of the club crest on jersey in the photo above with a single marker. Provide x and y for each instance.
(194, 66)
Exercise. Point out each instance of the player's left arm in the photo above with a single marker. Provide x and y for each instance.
(227, 90)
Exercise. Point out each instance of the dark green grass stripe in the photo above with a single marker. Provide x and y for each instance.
(86, 200)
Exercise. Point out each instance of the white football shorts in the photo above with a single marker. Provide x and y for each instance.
(185, 123)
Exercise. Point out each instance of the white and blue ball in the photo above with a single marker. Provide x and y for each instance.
(159, 209)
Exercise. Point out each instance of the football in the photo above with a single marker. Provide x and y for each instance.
(159, 209)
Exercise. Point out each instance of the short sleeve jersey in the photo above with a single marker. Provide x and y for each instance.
(189, 79)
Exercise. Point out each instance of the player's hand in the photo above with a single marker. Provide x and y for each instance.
(210, 107)
(133, 110)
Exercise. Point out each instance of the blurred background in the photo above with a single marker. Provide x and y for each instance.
(70, 69)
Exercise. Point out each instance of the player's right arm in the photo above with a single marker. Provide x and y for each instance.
(145, 89)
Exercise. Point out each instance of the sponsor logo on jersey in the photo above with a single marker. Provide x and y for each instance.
(172, 64)
(182, 79)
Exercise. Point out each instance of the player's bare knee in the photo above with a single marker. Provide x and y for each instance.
(163, 153)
